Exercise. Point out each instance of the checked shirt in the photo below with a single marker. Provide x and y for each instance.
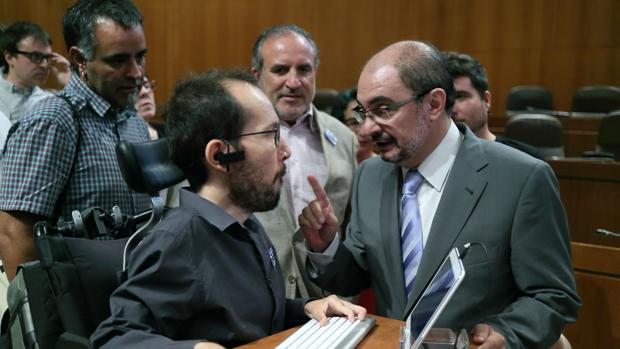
(38, 159)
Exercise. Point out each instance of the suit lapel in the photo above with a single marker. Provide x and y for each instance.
(389, 226)
(466, 183)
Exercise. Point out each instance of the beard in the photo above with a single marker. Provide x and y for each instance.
(412, 147)
(250, 193)
(132, 98)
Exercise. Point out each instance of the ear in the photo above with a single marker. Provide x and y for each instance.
(255, 72)
(215, 146)
(487, 100)
(437, 102)
(8, 57)
(76, 57)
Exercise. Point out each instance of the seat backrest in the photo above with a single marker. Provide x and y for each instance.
(531, 98)
(82, 274)
(543, 131)
(596, 99)
(146, 167)
(609, 135)
(326, 99)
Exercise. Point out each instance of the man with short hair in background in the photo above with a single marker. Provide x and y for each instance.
(285, 61)
(473, 100)
(61, 157)
(27, 59)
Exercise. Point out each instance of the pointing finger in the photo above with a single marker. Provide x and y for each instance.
(321, 196)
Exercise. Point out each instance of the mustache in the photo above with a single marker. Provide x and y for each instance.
(280, 173)
(382, 137)
(294, 93)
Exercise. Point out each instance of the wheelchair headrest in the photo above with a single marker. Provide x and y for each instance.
(147, 167)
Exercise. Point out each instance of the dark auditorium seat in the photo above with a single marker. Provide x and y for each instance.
(529, 99)
(596, 100)
(543, 131)
(608, 142)
(326, 99)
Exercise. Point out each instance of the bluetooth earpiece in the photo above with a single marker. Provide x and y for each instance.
(229, 157)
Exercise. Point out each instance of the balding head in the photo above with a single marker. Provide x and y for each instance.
(405, 95)
(419, 65)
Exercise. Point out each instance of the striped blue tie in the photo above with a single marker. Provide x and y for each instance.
(411, 228)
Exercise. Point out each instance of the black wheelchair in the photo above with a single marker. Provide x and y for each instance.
(59, 300)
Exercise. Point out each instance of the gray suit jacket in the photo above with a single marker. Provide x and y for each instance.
(279, 224)
(497, 196)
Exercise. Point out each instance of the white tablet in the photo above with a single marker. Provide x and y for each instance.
(434, 299)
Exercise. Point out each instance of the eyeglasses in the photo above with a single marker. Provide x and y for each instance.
(276, 134)
(36, 57)
(149, 84)
(383, 112)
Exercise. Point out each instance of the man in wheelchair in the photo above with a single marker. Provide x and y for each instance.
(207, 274)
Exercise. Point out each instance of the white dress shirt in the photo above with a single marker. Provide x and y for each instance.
(307, 158)
(5, 125)
(15, 102)
(435, 170)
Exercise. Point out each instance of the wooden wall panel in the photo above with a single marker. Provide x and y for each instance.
(599, 321)
(561, 44)
(590, 192)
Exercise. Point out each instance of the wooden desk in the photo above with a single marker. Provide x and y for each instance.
(590, 192)
(580, 132)
(383, 335)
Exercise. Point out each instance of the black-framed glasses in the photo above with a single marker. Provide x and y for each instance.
(276, 134)
(384, 112)
(36, 57)
(149, 84)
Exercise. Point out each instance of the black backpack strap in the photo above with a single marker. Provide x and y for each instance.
(63, 193)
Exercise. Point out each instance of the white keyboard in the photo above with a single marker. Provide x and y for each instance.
(339, 333)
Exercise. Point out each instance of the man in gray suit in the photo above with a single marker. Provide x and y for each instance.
(284, 61)
(519, 289)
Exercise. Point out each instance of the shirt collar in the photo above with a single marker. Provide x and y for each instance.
(307, 120)
(9, 86)
(76, 88)
(216, 215)
(436, 167)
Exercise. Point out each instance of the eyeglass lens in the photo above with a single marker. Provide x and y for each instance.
(36, 57)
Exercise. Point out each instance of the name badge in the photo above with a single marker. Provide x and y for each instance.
(331, 137)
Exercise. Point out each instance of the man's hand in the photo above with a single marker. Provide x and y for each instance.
(61, 69)
(317, 220)
(486, 337)
(333, 306)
